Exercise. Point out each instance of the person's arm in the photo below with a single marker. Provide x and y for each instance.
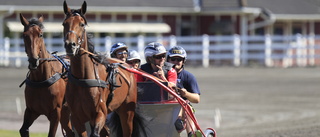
(192, 97)
(160, 74)
(172, 78)
(191, 89)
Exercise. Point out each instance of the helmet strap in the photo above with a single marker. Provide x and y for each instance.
(113, 55)
(152, 60)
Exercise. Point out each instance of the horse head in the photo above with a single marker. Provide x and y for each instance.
(33, 39)
(74, 28)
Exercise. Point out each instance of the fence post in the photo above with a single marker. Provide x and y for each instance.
(160, 39)
(1, 52)
(48, 42)
(301, 49)
(268, 51)
(17, 50)
(173, 41)
(205, 50)
(287, 59)
(244, 50)
(107, 45)
(304, 51)
(311, 44)
(236, 50)
(6, 51)
(141, 47)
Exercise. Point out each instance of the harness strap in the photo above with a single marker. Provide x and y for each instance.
(87, 82)
(52, 79)
(46, 83)
(112, 74)
(65, 64)
(125, 77)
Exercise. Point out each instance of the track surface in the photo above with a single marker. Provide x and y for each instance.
(252, 102)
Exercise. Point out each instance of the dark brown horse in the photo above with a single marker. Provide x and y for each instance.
(95, 89)
(45, 86)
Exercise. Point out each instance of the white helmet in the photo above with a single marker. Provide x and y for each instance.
(117, 46)
(154, 48)
(133, 55)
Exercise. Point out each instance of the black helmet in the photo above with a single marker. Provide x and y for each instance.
(177, 51)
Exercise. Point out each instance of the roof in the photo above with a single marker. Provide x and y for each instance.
(288, 6)
(104, 5)
(281, 8)
(289, 9)
(220, 4)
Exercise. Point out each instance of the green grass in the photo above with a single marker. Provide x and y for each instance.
(10, 133)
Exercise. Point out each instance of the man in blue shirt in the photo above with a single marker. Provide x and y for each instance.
(187, 87)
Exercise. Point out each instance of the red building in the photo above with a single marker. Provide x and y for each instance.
(120, 18)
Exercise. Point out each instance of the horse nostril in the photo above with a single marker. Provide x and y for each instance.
(66, 43)
(73, 44)
(33, 62)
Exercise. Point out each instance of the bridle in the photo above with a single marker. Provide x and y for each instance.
(80, 40)
(37, 60)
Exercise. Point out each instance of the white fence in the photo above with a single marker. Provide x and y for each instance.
(235, 50)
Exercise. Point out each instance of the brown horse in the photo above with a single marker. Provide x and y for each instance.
(45, 86)
(95, 89)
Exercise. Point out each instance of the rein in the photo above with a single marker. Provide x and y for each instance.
(88, 52)
(48, 59)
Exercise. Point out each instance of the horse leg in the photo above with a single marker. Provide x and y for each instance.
(126, 118)
(65, 121)
(54, 118)
(105, 131)
(79, 126)
(28, 119)
(99, 124)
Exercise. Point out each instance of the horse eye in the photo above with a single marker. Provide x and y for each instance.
(82, 24)
(41, 35)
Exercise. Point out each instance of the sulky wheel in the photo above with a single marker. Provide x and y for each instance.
(210, 132)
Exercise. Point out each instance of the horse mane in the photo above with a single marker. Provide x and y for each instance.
(99, 57)
(35, 21)
(90, 43)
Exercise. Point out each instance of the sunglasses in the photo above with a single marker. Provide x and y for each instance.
(159, 56)
(133, 61)
(176, 59)
(122, 53)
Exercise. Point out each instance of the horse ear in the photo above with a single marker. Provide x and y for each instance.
(66, 9)
(23, 20)
(84, 8)
(41, 18)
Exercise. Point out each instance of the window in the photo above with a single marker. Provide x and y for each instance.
(186, 29)
(223, 27)
(278, 31)
(259, 31)
(296, 30)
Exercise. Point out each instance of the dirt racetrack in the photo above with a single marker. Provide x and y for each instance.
(236, 102)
